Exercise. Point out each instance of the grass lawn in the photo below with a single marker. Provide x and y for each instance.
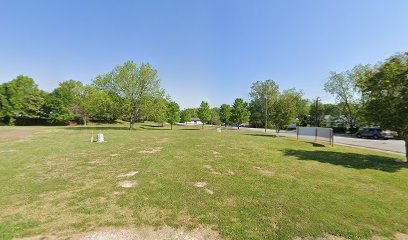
(256, 186)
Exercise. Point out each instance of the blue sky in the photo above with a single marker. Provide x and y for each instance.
(203, 50)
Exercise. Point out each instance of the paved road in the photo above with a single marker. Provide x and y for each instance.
(392, 146)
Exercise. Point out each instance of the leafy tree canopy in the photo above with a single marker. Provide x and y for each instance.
(385, 94)
(21, 99)
(225, 113)
(134, 87)
(343, 86)
(204, 112)
(239, 113)
(173, 113)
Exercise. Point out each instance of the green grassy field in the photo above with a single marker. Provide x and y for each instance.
(53, 180)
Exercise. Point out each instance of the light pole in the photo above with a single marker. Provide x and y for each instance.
(266, 112)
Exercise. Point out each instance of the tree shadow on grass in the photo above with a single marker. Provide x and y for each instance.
(349, 160)
(315, 144)
(98, 128)
(155, 128)
(151, 125)
(260, 135)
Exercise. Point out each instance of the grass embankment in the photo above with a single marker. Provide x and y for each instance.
(256, 186)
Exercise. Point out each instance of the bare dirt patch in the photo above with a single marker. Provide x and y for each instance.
(143, 233)
(231, 173)
(211, 169)
(40, 237)
(203, 185)
(401, 236)
(129, 174)
(264, 172)
(164, 140)
(334, 237)
(127, 184)
(95, 162)
(118, 193)
(147, 233)
(7, 151)
(217, 154)
(209, 191)
(151, 150)
(200, 184)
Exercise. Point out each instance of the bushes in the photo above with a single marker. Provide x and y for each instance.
(353, 130)
(339, 129)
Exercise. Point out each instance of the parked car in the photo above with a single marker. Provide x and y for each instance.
(375, 133)
(292, 126)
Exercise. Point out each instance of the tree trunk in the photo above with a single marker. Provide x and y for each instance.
(238, 126)
(131, 123)
(171, 126)
(85, 120)
(202, 126)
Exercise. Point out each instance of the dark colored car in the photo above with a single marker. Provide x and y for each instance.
(375, 133)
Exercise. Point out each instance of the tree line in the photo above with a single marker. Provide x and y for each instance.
(366, 95)
(132, 93)
(129, 92)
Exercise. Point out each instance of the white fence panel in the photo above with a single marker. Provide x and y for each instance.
(322, 134)
(307, 131)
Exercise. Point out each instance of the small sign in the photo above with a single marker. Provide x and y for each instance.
(100, 138)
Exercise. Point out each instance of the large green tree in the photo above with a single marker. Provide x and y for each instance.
(263, 94)
(154, 108)
(215, 116)
(285, 108)
(185, 115)
(239, 113)
(173, 113)
(385, 95)
(325, 114)
(225, 114)
(103, 105)
(62, 103)
(84, 103)
(21, 100)
(343, 87)
(204, 112)
(274, 109)
(133, 85)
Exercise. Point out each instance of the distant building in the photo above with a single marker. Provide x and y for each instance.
(196, 120)
(193, 121)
